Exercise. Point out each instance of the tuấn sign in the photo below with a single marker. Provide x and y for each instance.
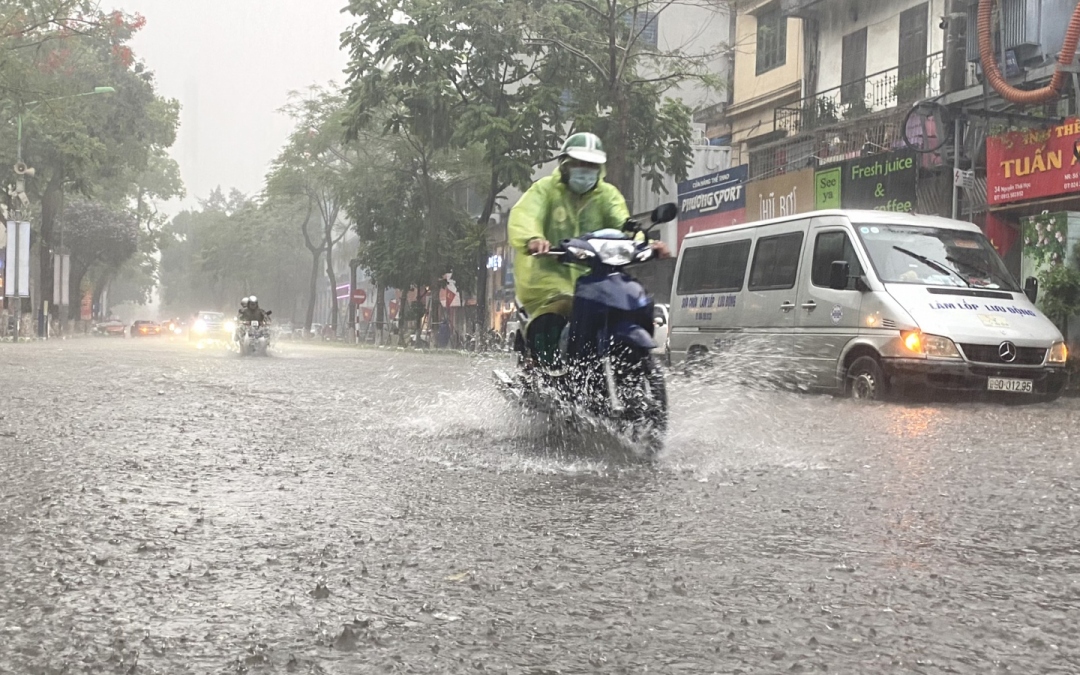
(1032, 164)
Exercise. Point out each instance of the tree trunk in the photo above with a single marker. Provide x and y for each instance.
(332, 278)
(52, 203)
(380, 312)
(482, 254)
(309, 317)
(618, 169)
(78, 273)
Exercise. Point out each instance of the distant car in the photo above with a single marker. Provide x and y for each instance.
(145, 329)
(209, 326)
(112, 328)
(172, 327)
(661, 323)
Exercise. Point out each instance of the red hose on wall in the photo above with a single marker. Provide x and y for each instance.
(993, 72)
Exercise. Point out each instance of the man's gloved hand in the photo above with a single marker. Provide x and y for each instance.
(539, 246)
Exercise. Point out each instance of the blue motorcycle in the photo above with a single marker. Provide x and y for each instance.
(603, 370)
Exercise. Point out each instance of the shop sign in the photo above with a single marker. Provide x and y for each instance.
(709, 202)
(884, 182)
(783, 195)
(827, 188)
(1032, 164)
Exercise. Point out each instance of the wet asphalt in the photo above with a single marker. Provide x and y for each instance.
(166, 509)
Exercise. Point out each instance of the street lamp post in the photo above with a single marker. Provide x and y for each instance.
(22, 170)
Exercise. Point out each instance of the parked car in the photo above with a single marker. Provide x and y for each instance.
(864, 302)
(145, 329)
(111, 328)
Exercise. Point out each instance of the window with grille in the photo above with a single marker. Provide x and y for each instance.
(771, 40)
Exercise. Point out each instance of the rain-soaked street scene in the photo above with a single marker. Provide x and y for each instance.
(539, 336)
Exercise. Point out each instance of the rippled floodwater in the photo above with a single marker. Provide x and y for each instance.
(330, 510)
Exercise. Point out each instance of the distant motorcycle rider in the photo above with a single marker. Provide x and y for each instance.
(250, 311)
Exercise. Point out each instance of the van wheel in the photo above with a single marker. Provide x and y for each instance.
(866, 380)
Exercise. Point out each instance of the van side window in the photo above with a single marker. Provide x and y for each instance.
(719, 268)
(828, 248)
(776, 262)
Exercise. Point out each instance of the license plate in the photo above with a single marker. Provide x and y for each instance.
(1009, 384)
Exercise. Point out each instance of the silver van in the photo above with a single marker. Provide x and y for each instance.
(864, 303)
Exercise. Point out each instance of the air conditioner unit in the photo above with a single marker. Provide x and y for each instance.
(1032, 29)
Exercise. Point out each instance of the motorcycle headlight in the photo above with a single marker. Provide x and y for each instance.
(615, 252)
(1059, 353)
(199, 327)
(230, 326)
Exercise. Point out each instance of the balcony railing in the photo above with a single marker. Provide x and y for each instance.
(902, 84)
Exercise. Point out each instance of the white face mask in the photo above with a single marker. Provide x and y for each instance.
(582, 179)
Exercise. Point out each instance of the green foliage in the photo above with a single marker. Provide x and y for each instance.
(98, 235)
(1059, 291)
(232, 247)
(1044, 238)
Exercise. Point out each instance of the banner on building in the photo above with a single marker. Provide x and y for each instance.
(1032, 164)
(884, 182)
(709, 202)
(783, 195)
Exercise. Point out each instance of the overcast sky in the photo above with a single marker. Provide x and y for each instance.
(231, 64)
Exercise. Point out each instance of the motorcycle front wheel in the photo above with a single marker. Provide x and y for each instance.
(643, 393)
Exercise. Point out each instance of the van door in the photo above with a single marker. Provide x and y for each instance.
(768, 314)
(826, 320)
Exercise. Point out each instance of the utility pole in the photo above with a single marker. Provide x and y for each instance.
(353, 264)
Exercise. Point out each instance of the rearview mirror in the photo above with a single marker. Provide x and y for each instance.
(665, 213)
(269, 312)
(1031, 288)
(839, 274)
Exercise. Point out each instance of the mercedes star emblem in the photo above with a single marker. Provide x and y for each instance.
(1007, 352)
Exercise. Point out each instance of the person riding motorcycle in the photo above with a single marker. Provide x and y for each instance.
(573, 200)
(250, 311)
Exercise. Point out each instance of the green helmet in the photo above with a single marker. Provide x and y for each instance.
(584, 147)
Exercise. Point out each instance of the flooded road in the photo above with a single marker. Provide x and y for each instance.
(329, 510)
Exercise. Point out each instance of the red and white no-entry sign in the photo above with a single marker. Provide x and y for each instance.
(359, 296)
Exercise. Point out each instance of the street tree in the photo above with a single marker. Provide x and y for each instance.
(78, 142)
(457, 74)
(618, 83)
(313, 169)
(101, 239)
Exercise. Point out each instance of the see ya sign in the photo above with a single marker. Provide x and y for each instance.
(883, 182)
(1030, 164)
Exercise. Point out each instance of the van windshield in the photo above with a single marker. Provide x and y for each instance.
(933, 256)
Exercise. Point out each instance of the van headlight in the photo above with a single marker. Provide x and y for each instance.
(1059, 353)
(930, 345)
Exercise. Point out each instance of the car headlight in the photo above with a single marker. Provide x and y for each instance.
(199, 327)
(930, 345)
(230, 326)
(1059, 353)
(615, 251)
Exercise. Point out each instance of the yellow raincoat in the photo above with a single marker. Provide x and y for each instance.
(549, 210)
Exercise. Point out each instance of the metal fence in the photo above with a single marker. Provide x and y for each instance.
(902, 84)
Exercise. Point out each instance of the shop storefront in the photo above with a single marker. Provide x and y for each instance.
(1031, 174)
